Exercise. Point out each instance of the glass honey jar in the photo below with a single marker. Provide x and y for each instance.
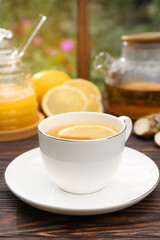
(133, 80)
(18, 104)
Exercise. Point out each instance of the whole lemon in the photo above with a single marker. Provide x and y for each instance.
(47, 79)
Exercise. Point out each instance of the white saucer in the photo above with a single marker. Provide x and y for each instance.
(27, 179)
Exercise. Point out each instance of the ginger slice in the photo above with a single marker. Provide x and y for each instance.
(157, 139)
(147, 126)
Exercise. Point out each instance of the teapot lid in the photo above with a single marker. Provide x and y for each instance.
(147, 37)
(6, 48)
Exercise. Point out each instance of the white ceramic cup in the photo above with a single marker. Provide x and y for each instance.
(83, 166)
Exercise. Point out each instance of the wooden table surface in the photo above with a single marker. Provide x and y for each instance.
(21, 221)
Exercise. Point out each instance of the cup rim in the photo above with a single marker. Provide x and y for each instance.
(78, 140)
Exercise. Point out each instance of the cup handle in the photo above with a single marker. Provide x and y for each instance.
(128, 123)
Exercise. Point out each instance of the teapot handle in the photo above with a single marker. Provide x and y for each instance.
(103, 61)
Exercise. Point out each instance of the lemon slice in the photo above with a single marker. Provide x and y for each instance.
(87, 87)
(86, 131)
(63, 99)
(47, 79)
(93, 105)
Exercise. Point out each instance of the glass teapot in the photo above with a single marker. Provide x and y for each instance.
(133, 80)
(18, 104)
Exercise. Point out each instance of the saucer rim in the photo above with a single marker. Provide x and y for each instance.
(81, 211)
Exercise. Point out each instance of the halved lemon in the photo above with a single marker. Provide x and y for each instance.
(45, 80)
(63, 99)
(93, 105)
(86, 131)
(87, 87)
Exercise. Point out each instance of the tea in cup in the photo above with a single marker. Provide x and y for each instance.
(82, 151)
(82, 131)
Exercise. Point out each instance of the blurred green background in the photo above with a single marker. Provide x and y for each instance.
(55, 46)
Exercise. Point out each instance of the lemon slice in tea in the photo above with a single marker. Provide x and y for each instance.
(86, 131)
